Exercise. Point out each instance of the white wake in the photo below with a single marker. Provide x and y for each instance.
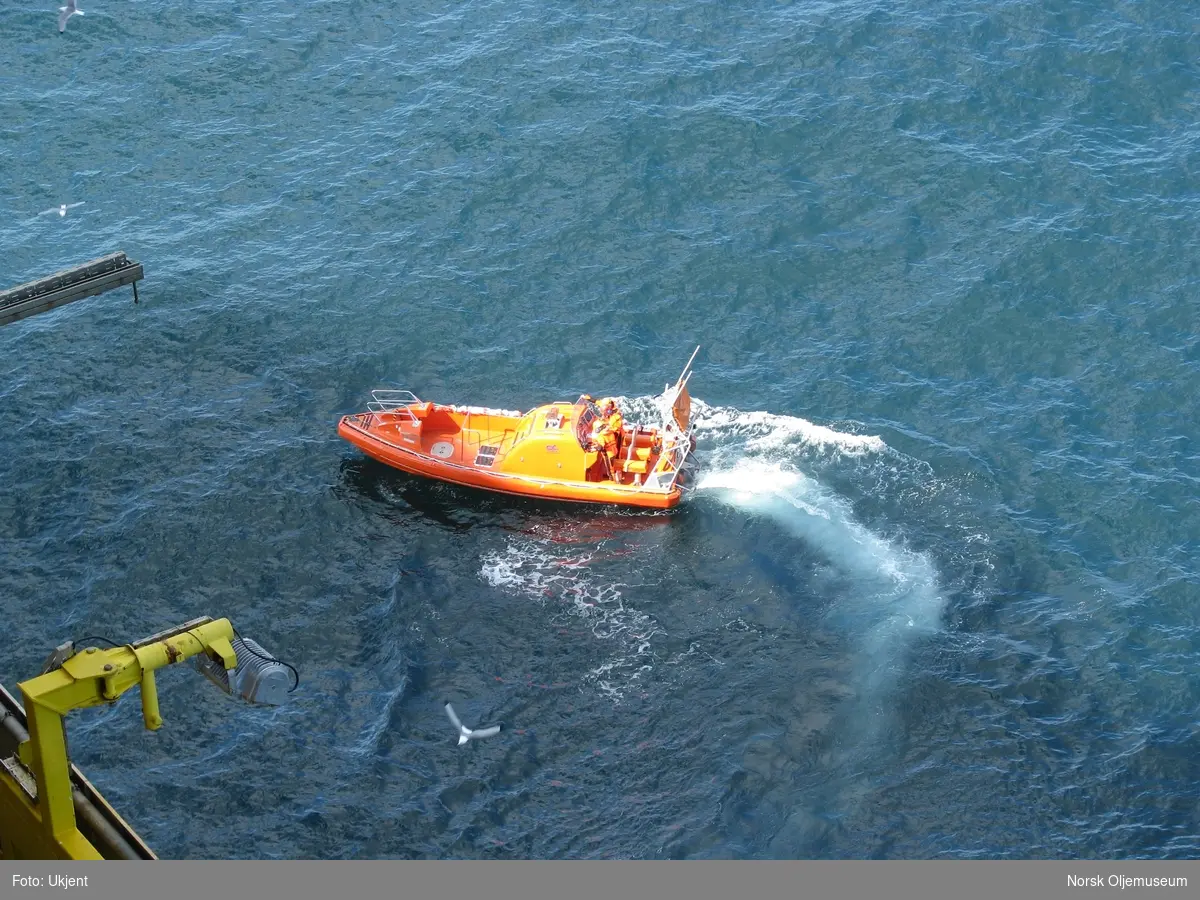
(560, 579)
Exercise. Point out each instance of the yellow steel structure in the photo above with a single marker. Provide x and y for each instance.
(36, 806)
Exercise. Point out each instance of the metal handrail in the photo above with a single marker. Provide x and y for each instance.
(394, 401)
(384, 400)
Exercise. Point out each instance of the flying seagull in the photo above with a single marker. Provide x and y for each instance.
(65, 12)
(61, 210)
(465, 734)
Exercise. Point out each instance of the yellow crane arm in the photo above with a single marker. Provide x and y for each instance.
(35, 787)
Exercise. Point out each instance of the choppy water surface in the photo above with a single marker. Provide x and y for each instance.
(935, 592)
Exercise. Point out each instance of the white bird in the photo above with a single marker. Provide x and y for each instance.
(464, 733)
(65, 12)
(62, 209)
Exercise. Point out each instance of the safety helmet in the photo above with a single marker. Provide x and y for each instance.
(608, 403)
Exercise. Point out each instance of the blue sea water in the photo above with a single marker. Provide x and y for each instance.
(935, 592)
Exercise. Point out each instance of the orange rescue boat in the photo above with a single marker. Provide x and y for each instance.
(548, 452)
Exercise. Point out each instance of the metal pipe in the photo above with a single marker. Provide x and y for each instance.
(100, 831)
(13, 730)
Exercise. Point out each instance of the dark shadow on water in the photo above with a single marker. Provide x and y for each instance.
(392, 493)
(460, 508)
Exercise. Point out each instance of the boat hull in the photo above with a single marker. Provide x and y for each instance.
(416, 462)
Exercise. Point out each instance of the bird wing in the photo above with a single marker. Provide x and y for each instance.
(454, 719)
(486, 732)
(62, 19)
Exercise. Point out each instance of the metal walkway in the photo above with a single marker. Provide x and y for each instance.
(72, 284)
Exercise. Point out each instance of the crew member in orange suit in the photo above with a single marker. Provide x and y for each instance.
(607, 433)
(614, 421)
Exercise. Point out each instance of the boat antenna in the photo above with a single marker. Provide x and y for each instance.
(688, 366)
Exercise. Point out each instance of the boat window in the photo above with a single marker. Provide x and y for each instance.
(583, 427)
